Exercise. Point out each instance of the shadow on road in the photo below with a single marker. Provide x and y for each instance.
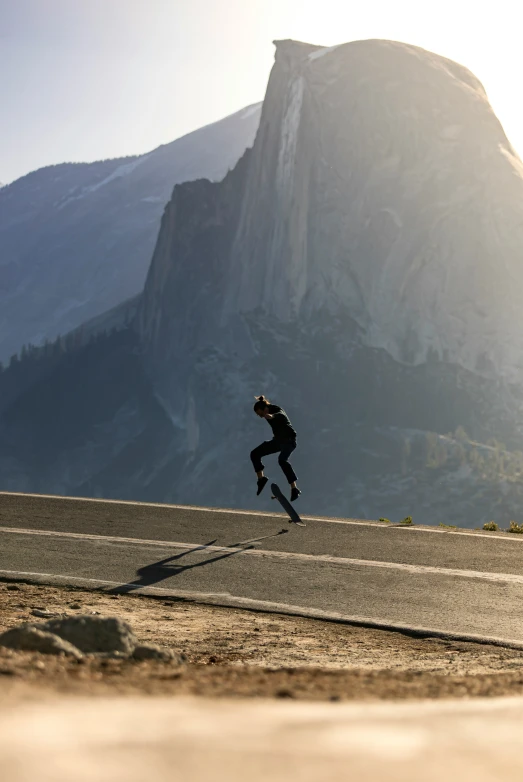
(148, 575)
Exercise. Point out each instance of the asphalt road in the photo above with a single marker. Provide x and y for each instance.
(462, 583)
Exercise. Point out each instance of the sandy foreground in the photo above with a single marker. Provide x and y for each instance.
(236, 653)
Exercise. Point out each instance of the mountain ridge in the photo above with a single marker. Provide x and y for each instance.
(76, 238)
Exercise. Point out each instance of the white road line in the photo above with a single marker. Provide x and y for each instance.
(235, 601)
(510, 578)
(479, 535)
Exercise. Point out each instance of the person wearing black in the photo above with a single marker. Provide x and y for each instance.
(284, 441)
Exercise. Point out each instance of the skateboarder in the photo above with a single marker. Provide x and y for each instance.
(284, 441)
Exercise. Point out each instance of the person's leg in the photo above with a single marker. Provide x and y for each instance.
(283, 461)
(286, 466)
(264, 449)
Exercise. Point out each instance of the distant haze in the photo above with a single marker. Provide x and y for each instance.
(92, 79)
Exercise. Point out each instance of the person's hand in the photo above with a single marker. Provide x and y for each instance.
(268, 416)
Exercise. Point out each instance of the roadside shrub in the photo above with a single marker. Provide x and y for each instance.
(385, 521)
(406, 521)
(515, 527)
(491, 526)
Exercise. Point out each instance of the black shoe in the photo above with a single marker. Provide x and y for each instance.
(295, 493)
(262, 482)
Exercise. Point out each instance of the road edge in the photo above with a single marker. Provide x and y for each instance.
(226, 600)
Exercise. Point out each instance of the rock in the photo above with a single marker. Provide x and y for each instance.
(14, 588)
(93, 634)
(76, 606)
(44, 612)
(32, 639)
(153, 652)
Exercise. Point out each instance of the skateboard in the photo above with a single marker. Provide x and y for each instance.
(284, 502)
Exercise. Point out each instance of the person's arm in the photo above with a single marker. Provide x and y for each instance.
(279, 415)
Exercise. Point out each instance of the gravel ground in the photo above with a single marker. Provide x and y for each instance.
(240, 653)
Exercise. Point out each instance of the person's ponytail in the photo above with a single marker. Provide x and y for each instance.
(261, 403)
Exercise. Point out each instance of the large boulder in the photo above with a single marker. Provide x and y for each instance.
(94, 634)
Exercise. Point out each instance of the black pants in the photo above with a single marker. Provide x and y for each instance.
(285, 447)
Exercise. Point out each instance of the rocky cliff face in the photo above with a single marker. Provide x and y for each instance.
(361, 266)
(381, 185)
(77, 239)
(397, 200)
(374, 227)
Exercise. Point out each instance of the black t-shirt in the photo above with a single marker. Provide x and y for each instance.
(280, 424)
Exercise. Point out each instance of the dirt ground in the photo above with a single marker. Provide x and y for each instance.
(246, 654)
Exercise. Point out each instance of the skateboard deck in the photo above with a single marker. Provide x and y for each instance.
(286, 505)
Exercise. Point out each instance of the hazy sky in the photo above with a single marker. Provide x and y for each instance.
(91, 79)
